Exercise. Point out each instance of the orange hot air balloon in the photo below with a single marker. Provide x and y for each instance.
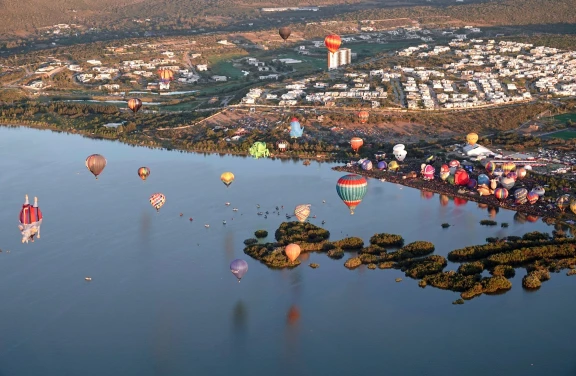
(363, 116)
(134, 104)
(143, 172)
(165, 75)
(292, 251)
(356, 143)
(332, 42)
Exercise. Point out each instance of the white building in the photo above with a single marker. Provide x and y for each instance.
(341, 57)
(476, 150)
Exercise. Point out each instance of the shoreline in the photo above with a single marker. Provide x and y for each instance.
(443, 188)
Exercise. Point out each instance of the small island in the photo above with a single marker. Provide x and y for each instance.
(538, 253)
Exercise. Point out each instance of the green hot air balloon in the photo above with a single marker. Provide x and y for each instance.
(352, 189)
(259, 150)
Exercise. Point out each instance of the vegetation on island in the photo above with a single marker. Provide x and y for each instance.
(537, 252)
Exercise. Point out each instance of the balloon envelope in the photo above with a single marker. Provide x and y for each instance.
(367, 165)
(302, 212)
(296, 129)
(157, 200)
(292, 251)
(501, 193)
(461, 177)
(239, 268)
(351, 189)
(382, 165)
(400, 154)
(134, 104)
(483, 179)
(143, 172)
(332, 42)
(227, 178)
(356, 143)
(521, 196)
(284, 32)
(95, 164)
(472, 138)
(393, 166)
(363, 116)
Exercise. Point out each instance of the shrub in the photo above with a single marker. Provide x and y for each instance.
(349, 243)
(471, 268)
(353, 263)
(387, 240)
(261, 234)
(488, 222)
(250, 241)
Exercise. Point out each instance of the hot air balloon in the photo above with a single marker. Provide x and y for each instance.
(444, 168)
(507, 182)
(239, 268)
(483, 190)
(573, 206)
(472, 184)
(332, 42)
(134, 104)
(356, 143)
(157, 200)
(512, 175)
(143, 172)
(483, 179)
(166, 75)
(367, 165)
(528, 168)
(429, 171)
(96, 163)
(363, 116)
(444, 175)
(563, 202)
(450, 179)
(296, 129)
(461, 177)
(259, 150)
(393, 166)
(30, 220)
(227, 178)
(302, 212)
(501, 193)
(521, 172)
(532, 197)
(284, 32)
(352, 189)
(454, 165)
(539, 191)
(490, 167)
(472, 138)
(532, 218)
(382, 165)
(398, 147)
(292, 251)
(282, 145)
(400, 155)
(493, 183)
(498, 172)
(508, 166)
(521, 196)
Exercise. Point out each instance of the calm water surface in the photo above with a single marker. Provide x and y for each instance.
(162, 300)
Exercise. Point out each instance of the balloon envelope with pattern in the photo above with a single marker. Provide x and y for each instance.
(157, 200)
(351, 189)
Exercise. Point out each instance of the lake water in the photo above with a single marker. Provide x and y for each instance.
(162, 300)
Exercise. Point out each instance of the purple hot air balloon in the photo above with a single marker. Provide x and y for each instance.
(382, 165)
(239, 268)
(472, 184)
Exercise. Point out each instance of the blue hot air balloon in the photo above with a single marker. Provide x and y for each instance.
(352, 189)
(367, 165)
(296, 129)
(239, 268)
(382, 165)
(483, 179)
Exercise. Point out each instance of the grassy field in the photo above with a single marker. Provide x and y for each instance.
(564, 135)
(221, 65)
(565, 117)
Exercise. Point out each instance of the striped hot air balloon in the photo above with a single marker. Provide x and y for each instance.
(490, 167)
(134, 104)
(508, 166)
(363, 116)
(166, 75)
(302, 212)
(501, 194)
(352, 189)
(95, 164)
(532, 197)
(356, 143)
(227, 178)
(157, 200)
(143, 172)
(332, 42)
(521, 196)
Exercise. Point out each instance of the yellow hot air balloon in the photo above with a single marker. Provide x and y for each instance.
(472, 138)
(227, 178)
